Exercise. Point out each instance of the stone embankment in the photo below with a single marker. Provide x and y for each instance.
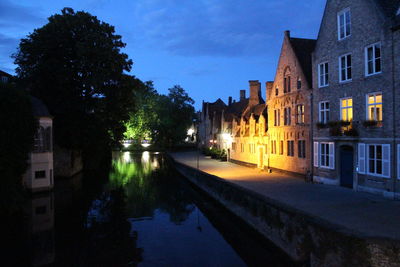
(304, 237)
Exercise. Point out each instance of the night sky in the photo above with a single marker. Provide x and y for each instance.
(212, 48)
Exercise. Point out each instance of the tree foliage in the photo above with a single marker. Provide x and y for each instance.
(74, 64)
(16, 140)
(164, 118)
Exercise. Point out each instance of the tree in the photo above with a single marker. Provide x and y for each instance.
(16, 140)
(74, 64)
(175, 114)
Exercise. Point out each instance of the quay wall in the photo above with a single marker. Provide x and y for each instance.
(303, 237)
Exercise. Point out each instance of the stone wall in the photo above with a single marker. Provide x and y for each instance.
(302, 237)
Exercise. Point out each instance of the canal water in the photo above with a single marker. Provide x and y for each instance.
(137, 212)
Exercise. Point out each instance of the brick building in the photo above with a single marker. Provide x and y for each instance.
(289, 107)
(355, 111)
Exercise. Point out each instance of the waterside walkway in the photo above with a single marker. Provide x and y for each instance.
(362, 214)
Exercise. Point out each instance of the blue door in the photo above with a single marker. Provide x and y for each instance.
(346, 166)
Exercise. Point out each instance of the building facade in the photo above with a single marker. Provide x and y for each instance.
(289, 107)
(354, 101)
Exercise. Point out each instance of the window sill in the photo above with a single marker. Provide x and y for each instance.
(344, 38)
(377, 175)
(323, 86)
(372, 74)
(345, 81)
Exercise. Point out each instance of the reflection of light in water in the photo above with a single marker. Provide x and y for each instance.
(145, 156)
(127, 157)
(155, 163)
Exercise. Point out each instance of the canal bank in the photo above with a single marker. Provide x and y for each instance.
(329, 226)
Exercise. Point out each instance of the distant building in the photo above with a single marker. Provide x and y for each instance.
(39, 175)
(5, 77)
(356, 96)
(210, 123)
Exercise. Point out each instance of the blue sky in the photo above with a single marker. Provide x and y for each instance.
(212, 48)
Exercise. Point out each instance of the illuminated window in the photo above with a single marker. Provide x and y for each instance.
(324, 112)
(300, 114)
(378, 160)
(287, 116)
(346, 109)
(344, 24)
(302, 149)
(373, 59)
(242, 148)
(323, 74)
(374, 107)
(345, 68)
(290, 148)
(281, 147)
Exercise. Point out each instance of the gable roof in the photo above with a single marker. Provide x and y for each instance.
(303, 49)
(3, 73)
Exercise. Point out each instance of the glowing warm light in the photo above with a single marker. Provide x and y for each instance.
(145, 145)
(126, 145)
(227, 137)
(211, 141)
(190, 131)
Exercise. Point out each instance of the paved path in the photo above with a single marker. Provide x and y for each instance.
(365, 214)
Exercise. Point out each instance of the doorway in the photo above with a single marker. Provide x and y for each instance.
(346, 166)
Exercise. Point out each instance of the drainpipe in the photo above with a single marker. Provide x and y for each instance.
(394, 118)
(312, 137)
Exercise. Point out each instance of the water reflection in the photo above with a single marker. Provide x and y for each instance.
(137, 212)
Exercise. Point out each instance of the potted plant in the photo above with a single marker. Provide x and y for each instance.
(370, 123)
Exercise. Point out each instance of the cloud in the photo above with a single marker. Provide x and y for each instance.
(218, 28)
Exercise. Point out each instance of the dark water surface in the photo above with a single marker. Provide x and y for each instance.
(138, 212)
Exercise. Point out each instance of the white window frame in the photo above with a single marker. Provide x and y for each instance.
(323, 111)
(346, 67)
(367, 104)
(398, 161)
(384, 161)
(330, 155)
(316, 154)
(323, 78)
(374, 59)
(345, 33)
(347, 107)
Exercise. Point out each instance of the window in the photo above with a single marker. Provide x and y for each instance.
(290, 148)
(252, 148)
(374, 107)
(345, 68)
(40, 174)
(373, 59)
(4, 79)
(286, 84)
(300, 114)
(273, 147)
(277, 115)
(398, 161)
(242, 148)
(344, 24)
(276, 91)
(287, 116)
(43, 140)
(298, 84)
(234, 146)
(281, 148)
(327, 155)
(378, 160)
(324, 112)
(323, 74)
(346, 109)
(302, 149)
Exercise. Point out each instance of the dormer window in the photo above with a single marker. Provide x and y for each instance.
(344, 24)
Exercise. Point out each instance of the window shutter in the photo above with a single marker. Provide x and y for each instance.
(386, 160)
(316, 164)
(361, 158)
(331, 155)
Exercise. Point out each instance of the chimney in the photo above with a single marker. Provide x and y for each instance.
(269, 87)
(287, 34)
(255, 93)
(242, 95)
(229, 101)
